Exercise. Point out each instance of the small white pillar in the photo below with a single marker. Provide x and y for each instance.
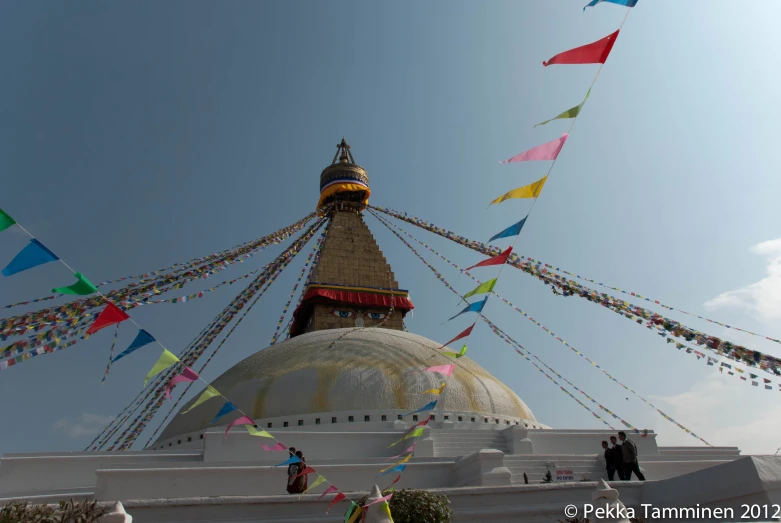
(607, 498)
(373, 513)
(117, 515)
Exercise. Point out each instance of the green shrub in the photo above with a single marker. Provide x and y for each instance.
(65, 512)
(414, 506)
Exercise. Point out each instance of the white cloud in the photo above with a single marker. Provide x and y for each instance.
(84, 425)
(762, 297)
(725, 411)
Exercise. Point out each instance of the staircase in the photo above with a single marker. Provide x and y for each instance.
(535, 467)
(462, 442)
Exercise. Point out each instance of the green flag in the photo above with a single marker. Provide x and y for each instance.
(569, 113)
(483, 288)
(166, 359)
(208, 394)
(82, 287)
(5, 220)
(455, 354)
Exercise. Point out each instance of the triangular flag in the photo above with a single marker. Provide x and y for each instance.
(225, 409)
(187, 375)
(33, 255)
(455, 355)
(307, 470)
(532, 190)
(165, 360)
(569, 113)
(258, 432)
(142, 338)
(466, 332)
(5, 220)
(354, 517)
(319, 481)
(404, 460)
(244, 420)
(428, 406)
(385, 510)
(512, 230)
(328, 491)
(208, 394)
(413, 434)
(290, 461)
(445, 370)
(485, 287)
(546, 151)
(499, 259)
(473, 307)
(379, 500)
(593, 53)
(82, 287)
(339, 497)
(411, 448)
(111, 315)
(435, 391)
(625, 3)
(399, 468)
(276, 448)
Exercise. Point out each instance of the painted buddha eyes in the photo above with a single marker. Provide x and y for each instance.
(348, 314)
(376, 315)
(342, 314)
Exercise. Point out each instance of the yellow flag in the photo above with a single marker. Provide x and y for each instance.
(398, 463)
(385, 509)
(354, 517)
(435, 391)
(166, 359)
(319, 481)
(258, 432)
(532, 190)
(208, 394)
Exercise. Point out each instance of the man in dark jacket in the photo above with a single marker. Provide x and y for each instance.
(618, 457)
(629, 451)
(609, 461)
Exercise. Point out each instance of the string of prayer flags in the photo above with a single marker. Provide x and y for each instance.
(187, 375)
(625, 3)
(206, 395)
(456, 355)
(569, 113)
(225, 409)
(483, 288)
(279, 447)
(435, 391)
(290, 461)
(244, 420)
(546, 151)
(593, 53)
(532, 190)
(466, 332)
(33, 255)
(111, 355)
(424, 408)
(258, 432)
(5, 220)
(445, 370)
(82, 287)
(512, 230)
(165, 360)
(499, 259)
(472, 307)
(319, 481)
(339, 497)
(109, 316)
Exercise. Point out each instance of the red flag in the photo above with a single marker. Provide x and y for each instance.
(339, 497)
(327, 491)
(308, 470)
(593, 53)
(464, 334)
(110, 316)
(499, 259)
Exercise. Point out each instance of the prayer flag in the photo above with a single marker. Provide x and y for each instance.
(225, 409)
(404, 460)
(427, 406)
(409, 449)
(327, 491)
(445, 370)
(142, 338)
(33, 255)
(455, 355)
(5, 220)
(276, 448)
(187, 375)
(499, 259)
(165, 360)
(532, 190)
(473, 307)
(258, 432)
(208, 394)
(339, 497)
(289, 461)
(483, 288)
(625, 3)
(385, 509)
(82, 287)
(244, 420)
(111, 315)
(413, 434)
(319, 481)
(435, 391)
(399, 468)
(569, 113)
(464, 334)
(546, 151)
(354, 517)
(383, 499)
(593, 53)
(307, 470)
(512, 230)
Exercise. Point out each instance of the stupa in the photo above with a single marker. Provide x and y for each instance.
(339, 389)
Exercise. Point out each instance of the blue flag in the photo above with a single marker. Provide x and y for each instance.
(142, 338)
(397, 468)
(228, 407)
(472, 307)
(290, 461)
(33, 255)
(424, 408)
(512, 230)
(625, 3)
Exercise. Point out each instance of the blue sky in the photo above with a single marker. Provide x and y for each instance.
(137, 135)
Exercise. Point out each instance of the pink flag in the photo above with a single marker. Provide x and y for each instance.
(546, 151)
(278, 447)
(445, 370)
(339, 497)
(380, 500)
(244, 420)
(409, 449)
(327, 491)
(187, 375)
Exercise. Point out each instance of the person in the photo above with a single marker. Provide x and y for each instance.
(618, 457)
(629, 451)
(297, 482)
(609, 462)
